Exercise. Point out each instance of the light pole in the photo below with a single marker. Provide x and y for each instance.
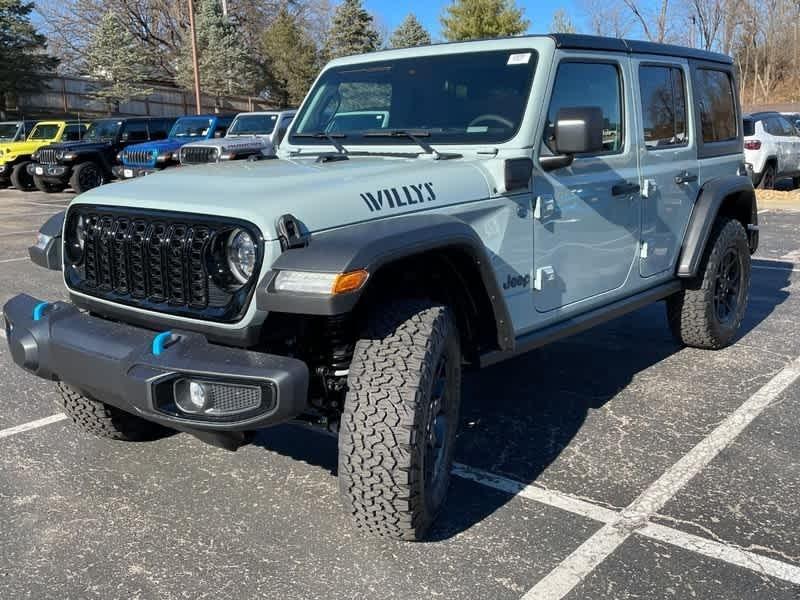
(195, 62)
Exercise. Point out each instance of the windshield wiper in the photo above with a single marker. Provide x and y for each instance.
(413, 135)
(324, 135)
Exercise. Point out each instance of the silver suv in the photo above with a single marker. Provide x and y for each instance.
(517, 191)
(251, 135)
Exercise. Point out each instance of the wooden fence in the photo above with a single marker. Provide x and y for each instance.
(73, 96)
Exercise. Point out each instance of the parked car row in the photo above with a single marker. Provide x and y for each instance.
(53, 155)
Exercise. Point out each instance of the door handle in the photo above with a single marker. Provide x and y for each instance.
(685, 178)
(624, 188)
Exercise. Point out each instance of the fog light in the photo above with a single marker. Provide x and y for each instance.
(191, 396)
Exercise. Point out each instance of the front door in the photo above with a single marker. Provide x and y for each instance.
(668, 163)
(587, 217)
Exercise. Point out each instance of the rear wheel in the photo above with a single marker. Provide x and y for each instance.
(86, 176)
(46, 187)
(104, 420)
(400, 419)
(20, 178)
(708, 313)
(767, 180)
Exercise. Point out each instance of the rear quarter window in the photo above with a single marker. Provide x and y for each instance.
(716, 104)
(748, 127)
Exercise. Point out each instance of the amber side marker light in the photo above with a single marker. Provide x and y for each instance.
(350, 282)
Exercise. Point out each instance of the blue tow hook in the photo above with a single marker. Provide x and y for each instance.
(38, 310)
(160, 342)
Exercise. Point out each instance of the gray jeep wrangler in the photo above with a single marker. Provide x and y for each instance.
(519, 191)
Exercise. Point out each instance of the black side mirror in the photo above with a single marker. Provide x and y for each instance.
(579, 130)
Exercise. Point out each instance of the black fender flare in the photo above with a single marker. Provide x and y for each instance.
(375, 244)
(49, 255)
(732, 195)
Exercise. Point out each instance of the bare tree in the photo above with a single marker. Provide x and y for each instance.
(608, 18)
(655, 24)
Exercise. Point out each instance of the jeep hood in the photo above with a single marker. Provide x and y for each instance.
(233, 142)
(320, 195)
(14, 148)
(79, 146)
(166, 145)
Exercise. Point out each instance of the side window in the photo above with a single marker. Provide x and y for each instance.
(283, 126)
(159, 128)
(589, 84)
(717, 108)
(73, 133)
(663, 106)
(135, 131)
(784, 126)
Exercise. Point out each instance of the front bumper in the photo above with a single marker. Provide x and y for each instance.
(123, 172)
(116, 363)
(57, 172)
(5, 170)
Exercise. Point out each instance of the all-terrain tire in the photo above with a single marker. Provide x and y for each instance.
(105, 421)
(400, 419)
(86, 176)
(20, 178)
(46, 187)
(694, 313)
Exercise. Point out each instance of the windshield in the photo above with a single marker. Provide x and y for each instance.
(191, 128)
(8, 131)
(102, 131)
(471, 98)
(253, 125)
(44, 132)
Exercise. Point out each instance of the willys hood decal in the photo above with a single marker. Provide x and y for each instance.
(320, 195)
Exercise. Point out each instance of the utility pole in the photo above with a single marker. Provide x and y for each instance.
(195, 62)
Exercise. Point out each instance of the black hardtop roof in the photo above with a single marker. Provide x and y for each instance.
(574, 41)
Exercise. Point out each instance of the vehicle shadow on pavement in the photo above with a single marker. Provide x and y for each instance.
(517, 417)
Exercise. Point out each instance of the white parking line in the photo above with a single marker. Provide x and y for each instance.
(589, 555)
(10, 233)
(10, 260)
(4, 433)
(710, 548)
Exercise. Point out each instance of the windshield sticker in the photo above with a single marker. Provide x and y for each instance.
(406, 195)
(519, 59)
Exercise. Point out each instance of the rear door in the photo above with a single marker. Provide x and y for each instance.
(668, 161)
(587, 219)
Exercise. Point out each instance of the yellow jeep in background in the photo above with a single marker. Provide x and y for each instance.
(16, 156)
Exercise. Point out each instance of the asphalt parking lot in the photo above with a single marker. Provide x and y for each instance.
(611, 465)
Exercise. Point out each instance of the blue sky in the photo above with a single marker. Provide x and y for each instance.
(539, 12)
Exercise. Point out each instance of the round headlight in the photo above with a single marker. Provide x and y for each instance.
(241, 255)
(60, 155)
(76, 239)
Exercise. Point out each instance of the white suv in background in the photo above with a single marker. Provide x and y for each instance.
(771, 149)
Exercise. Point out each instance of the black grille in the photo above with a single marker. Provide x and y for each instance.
(198, 155)
(160, 261)
(47, 156)
(139, 158)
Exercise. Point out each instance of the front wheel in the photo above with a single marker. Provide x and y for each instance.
(85, 177)
(20, 178)
(104, 420)
(708, 313)
(400, 419)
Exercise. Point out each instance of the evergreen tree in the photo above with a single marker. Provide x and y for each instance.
(352, 31)
(115, 57)
(562, 23)
(23, 60)
(290, 57)
(410, 33)
(225, 67)
(472, 19)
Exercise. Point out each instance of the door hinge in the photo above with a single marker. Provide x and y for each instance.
(545, 207)
(544, 275)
